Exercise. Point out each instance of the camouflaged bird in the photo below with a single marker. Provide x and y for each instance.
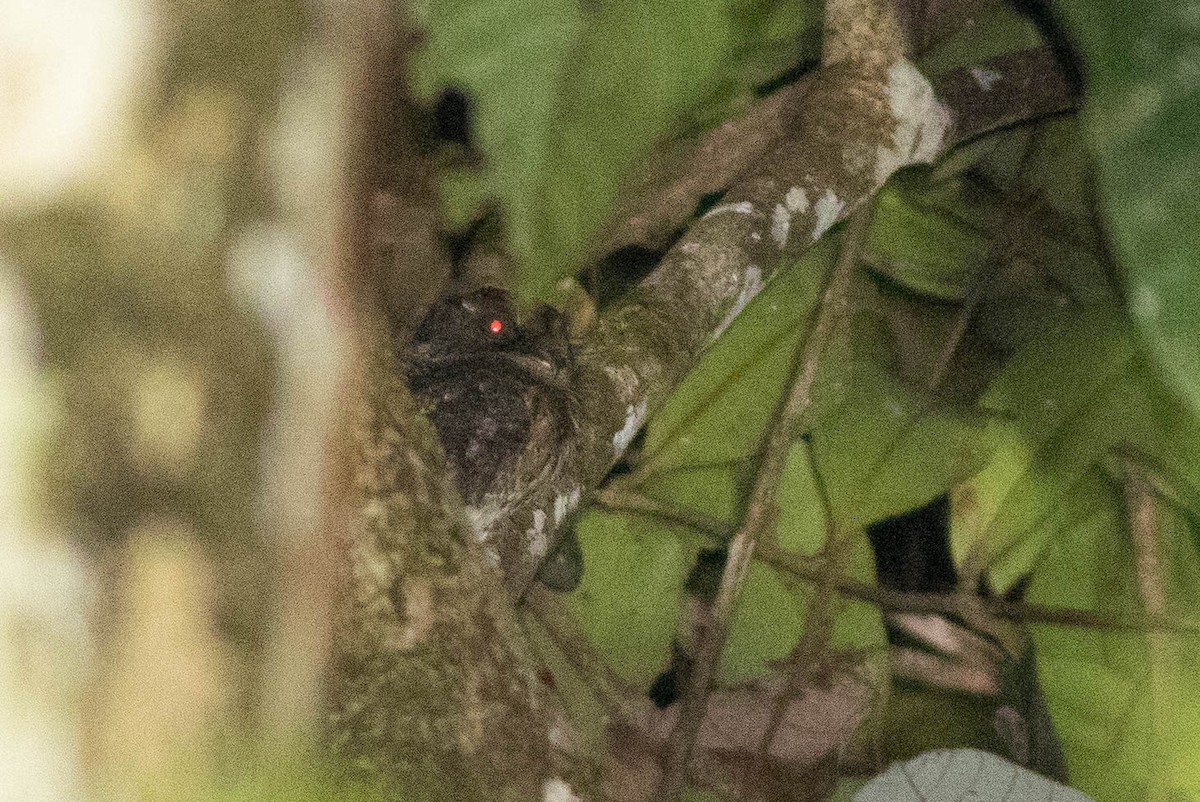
(500, 392)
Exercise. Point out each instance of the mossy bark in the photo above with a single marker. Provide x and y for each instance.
(435, 689)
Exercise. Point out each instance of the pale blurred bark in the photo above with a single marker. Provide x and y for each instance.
(43, 636)
(172, 342)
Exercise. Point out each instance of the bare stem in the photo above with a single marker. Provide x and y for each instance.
(790, 416)
(812, 569)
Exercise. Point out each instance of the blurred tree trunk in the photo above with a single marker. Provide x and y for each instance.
(174, 343)
(214, 218)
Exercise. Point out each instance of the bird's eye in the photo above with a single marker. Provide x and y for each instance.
(496, 326)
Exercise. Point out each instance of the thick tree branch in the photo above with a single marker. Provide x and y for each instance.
(436, 690)
(981, 99)
(856, 127)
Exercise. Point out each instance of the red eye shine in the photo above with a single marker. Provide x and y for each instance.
(495, 326)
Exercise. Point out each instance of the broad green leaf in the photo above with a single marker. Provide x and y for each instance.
(857, 625)
(567, 97)
(801, 527)
(510, 59)
(1123, 701)
(636, 69)
(1069, 396)
(774, 605)
(883, 450)
(632, 591)
(712, 490)
(1143, 98)
(923, 249)
(1053, 407)
(767, 622)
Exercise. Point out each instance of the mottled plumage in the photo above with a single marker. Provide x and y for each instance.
(498, 389)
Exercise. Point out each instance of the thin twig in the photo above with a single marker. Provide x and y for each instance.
(1000, 250)
(790, 416)
(641, 504)
(1145, 531)
(812, 569)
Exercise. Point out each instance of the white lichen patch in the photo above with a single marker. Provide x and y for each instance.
(565, 504)
(634, 415)
(781, 222)
(557, 789)
(742, 207)
(536, 541)
(827, 210)
(796, 200)
(985, 78)
(751, 284)
(921, 121)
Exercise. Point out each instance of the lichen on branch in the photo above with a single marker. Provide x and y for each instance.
(856, 125)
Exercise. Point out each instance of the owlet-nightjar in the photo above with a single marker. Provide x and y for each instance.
(500, 392)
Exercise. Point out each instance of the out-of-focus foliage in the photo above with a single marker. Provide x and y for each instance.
(567, 96)
(163, 257)
(1143, 98)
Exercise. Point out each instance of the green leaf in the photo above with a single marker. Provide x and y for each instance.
(510, 59)
(1124, 701)
(567, 98)
(632, 591)
(638, 66)
(801, 526)
(1055, 403)
(884, 450)
(1143, 98)
(925, 250)
(712, 490)
(1068, 397)
(767, 622)
(999, 30)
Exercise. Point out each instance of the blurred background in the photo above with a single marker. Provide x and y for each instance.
(184, 191)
